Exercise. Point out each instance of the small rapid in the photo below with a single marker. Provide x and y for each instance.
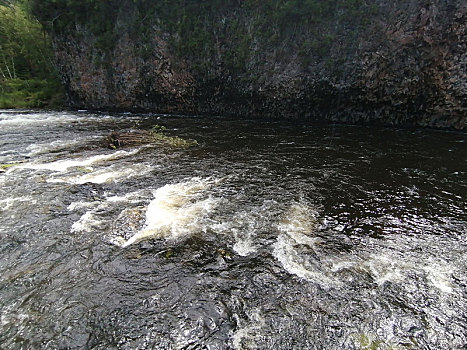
(175, 211)
(260, 235)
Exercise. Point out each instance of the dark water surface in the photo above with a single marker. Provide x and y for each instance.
(265, 235)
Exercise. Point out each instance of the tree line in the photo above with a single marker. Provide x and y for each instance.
(28, 77)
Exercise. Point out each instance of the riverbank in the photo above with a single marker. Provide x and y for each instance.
(31, 93)
(28, 77)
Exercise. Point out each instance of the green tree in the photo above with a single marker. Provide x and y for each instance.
(27, 74)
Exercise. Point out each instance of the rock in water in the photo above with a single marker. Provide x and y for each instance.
(130, 138)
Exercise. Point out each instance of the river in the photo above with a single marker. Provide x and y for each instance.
(262, 235)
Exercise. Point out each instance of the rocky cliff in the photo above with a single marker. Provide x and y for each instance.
(398, 62)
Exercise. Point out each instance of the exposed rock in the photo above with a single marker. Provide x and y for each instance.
(141, 137)
(405, 66)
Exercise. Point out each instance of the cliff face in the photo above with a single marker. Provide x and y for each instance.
(401, 62)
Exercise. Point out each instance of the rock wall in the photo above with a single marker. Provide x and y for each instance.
(402, 63)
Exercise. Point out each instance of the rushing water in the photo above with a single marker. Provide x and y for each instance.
(265, 235)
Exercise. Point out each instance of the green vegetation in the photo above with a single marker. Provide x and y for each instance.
(28, 78)
(4, 167)
(159, 137)
(30, 93)
(366, 343)
(172, 141)
(231, 32)
(370, 342)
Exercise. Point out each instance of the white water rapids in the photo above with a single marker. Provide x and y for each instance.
(263, 235)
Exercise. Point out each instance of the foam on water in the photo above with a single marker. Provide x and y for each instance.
(88, 222)
(7, 156)
(55, 146)
(91, 219)
(96, 213)
(26, 119)
(132, 197)
(246, 225)
(297, 250)
(397, 267)
(439, 274)
(114, 174)
(384, 268)
(299, 223)
(64, 165)
(242, 226)
(81, 205)
(394, 262)
(7, 203)
(176, 210)
(244, 336)
(296, 229)
(34, 119)
(382, 263)
(245, 247)
(303, 266)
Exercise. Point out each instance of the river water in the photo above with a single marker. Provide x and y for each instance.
(263, 235)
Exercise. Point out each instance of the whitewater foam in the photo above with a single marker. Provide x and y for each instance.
(242, 228)
(244, 247)
(439, 275)
(132, 197)
(7, 203)
(303, 266)
(385, 268)
(104, 175)
(245, 226)
(296, 227)
(55, 146)
(33, 119)
(64, 165)
(87, 222)
(244, 336)
(176, 210)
